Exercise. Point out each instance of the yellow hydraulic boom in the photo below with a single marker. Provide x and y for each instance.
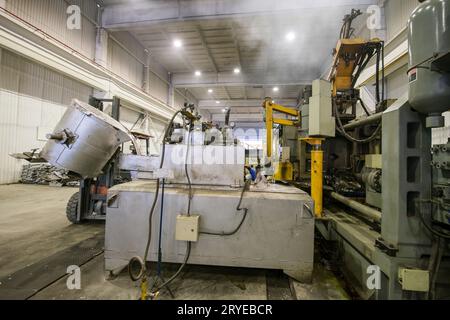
(271, 107)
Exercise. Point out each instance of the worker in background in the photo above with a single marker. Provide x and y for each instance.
(252, 172)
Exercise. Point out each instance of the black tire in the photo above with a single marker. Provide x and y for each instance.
(72, 208)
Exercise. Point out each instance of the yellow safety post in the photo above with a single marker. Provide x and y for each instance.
(144, 288)
(316, 174)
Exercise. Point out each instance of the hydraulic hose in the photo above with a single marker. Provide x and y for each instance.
(187, 173)
(341, 130)
(238, 208)
(142, 262)
(137, 259)
(171, 279)
(188, 243)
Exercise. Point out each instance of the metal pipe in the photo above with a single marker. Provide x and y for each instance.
(366, 211)
(362, 122)
(55, 136)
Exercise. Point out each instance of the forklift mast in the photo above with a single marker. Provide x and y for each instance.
(90, 202)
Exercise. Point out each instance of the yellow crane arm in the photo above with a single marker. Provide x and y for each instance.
(270, 108)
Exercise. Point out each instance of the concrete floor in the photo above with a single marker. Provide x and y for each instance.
(33, 226)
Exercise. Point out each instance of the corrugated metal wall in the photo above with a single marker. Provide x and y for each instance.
(32, 100)
(158, 81)
(127, 63)
(397, 15)
(51, 17)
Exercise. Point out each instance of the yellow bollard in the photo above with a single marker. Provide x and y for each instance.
(316, 174)
(144, 288)
(317, 179)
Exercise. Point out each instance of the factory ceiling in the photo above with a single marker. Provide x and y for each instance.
(231, 53)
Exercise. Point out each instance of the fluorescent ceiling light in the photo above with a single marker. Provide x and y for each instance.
(177, 43)
(237, 70)
(198, 73)
(290, 36)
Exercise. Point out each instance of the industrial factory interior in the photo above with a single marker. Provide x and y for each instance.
(225, 150)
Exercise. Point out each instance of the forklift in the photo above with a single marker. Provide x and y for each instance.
(89, 203)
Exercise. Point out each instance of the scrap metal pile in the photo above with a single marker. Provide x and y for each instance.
(46, 174)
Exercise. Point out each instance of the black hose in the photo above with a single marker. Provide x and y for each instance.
(155, 200)
(377, 78)
(341, 130)
(227, 117)
(187, 173)
(188, 248)
(238, 208)
(383, 93)
(363, 105)
(172, 278)
(142, 262)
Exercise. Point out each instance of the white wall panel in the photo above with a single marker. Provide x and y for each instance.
(126, 58)
(158, 88)
(31, 97)
(397, 83)
(51, 17)
(397, 15)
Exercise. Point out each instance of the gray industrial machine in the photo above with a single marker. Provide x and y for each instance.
(404, 247)
(275, 230)
(278, 232)
(441, 183)
(191, 204)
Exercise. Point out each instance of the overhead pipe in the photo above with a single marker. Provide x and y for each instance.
(364, 210)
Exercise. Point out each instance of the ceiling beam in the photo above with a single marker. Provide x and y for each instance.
(205, 46)
(246, 110)
(250, 103)
(220, 79)
(239, 117)
(144, 13)
(227, 93)
(237, 46)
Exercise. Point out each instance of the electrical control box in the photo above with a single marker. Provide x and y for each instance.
(320, 116)
(414, 279)
(187, 228)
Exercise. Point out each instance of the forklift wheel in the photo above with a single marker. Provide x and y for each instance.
(72, 208)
